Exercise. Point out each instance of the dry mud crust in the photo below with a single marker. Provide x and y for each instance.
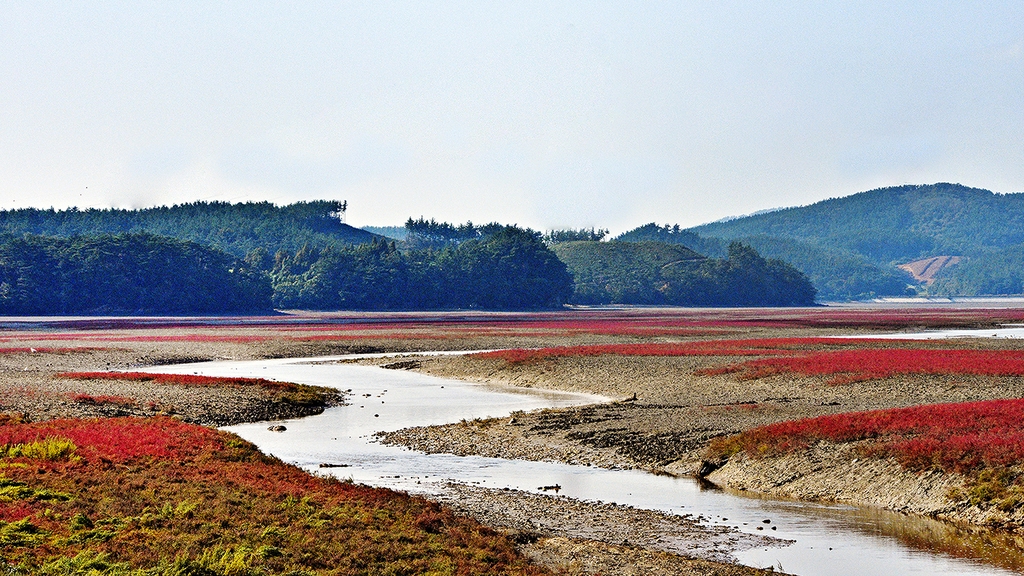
(834, 473)
(560, 532)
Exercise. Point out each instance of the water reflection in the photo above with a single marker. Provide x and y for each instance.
(992, 547)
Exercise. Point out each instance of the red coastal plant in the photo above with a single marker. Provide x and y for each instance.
(749, 347)
(180, 379)
(868, 364)
(127, 495)
(961, 437)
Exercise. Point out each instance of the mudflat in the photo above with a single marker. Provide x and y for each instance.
(56, 371)
(676, 380)
(665, 411)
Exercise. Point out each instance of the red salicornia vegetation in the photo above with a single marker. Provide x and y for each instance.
(868, 364)
(30, 350)
(749, 347)
(681, 322)
(103, 399)
(180, 379)
(981, 440)
(159, 497)
(290, 392)
(951, 437)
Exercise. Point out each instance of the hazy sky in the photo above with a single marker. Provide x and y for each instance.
(547, 114)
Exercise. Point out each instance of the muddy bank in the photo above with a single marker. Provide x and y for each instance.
(837, 473)
(615, 435)
(30, 386)
(666, 412)
(594, 537)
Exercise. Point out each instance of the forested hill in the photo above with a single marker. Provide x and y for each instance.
(658, 273)
(237, 229)
(850, 247)
(901, 223)
(125, 274)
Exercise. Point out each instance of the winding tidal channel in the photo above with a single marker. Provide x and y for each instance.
(812, 538)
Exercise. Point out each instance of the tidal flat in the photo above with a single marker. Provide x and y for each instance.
(668, 406)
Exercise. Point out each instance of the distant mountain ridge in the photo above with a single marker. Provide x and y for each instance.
(899, 223)
(755, 213)
(850, 247)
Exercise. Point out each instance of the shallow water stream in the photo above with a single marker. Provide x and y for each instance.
(829, 539)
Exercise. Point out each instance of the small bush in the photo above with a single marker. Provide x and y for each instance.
(50, 448)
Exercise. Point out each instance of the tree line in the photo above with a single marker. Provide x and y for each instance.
(656, 273)
(125, 274)
(237, 229)
(500, 267)
(443, 266)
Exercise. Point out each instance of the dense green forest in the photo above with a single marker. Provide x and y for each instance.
(850, 247)
(836, 273)
(442, 265)
(501, 267)
(79, 268)
(660, 273)
(995, 272)
(141, 273)
(304, 256)
(237, 229)
(619, 272)
(125, 274)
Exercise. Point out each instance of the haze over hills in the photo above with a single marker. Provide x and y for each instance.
(850, 247)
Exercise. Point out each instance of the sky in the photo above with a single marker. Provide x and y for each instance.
(544, 114)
